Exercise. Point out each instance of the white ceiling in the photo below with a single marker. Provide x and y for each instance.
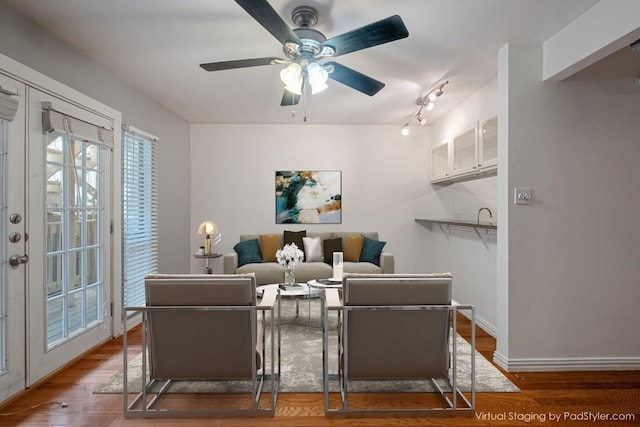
(157, 46)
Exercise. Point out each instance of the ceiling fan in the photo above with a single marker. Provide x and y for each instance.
(304, 48)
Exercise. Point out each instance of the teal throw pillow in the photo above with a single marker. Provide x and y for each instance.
(248, 252)
(371, 250)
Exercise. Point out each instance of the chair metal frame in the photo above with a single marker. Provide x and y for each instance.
(145, 404)
(331, 303)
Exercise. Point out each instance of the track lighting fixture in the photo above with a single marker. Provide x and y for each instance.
(426, 102)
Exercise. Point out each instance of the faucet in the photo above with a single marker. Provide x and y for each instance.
(482, 209)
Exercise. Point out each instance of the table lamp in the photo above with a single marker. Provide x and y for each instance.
(208, 228)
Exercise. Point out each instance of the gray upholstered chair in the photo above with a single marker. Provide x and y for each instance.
(396, 328)
(209, 330)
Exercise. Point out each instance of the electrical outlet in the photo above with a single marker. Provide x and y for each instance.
(522, 196)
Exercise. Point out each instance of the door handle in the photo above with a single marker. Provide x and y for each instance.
(16, 260)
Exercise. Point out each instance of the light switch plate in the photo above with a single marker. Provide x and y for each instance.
(522, 196)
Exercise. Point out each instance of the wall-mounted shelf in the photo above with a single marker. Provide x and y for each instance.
(446, 224)
(459, 223)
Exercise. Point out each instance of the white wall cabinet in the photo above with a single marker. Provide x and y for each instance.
(471, 154)
(488, 143)
(440, 162)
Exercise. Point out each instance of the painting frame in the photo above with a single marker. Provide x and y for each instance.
(308, 196)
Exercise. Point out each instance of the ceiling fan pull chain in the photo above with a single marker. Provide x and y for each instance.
(304, 97)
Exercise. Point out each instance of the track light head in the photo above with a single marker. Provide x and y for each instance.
(427, 103)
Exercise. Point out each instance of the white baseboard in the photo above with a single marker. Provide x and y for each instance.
(567, 364)
(482, 323)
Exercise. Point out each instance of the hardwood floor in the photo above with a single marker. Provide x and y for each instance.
(554, 398)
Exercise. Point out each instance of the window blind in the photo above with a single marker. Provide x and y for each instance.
(139, 213)
(55, 121)
(9, 102)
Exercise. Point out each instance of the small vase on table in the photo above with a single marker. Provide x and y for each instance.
(289, 275)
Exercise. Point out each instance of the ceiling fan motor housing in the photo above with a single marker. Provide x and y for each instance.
(304, 16)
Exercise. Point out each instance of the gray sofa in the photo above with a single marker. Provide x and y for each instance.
(272, 272)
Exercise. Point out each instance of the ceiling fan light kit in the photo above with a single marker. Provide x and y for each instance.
(305, 48)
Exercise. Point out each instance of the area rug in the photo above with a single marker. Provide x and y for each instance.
(301, 365)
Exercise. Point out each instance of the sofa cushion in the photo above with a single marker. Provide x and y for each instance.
(248, 252)
(352, 248)
(313, 249)
(371, 250)
(269, 244)
(294, 237)
(265, 272)
(329, 246)
(361, 267)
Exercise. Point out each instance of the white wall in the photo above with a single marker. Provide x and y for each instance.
(27, 43)
(384, 176)
(568, 278)
(472, 258)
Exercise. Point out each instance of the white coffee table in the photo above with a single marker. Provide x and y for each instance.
(322, 284)
(297, 292)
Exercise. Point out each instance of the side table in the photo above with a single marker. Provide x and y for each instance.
(322, 284)
(207, 266)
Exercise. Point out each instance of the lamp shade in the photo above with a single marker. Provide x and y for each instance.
(208, 227)
(292, 78)
(317, 77)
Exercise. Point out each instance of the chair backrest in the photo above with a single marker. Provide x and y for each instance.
(200, 344)
(396, 343)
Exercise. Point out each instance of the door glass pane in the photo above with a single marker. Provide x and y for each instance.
(91, 184)
(74, 310)
(92, 266)
(92, 304)
(74, 244)
(55, 332)
(74, 229)
(54, 274)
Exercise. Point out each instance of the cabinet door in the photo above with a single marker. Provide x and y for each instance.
(440, 162)
(488, 143)
(465, 157)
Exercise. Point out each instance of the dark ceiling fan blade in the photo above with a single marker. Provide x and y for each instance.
(241, 63)
(354, 79)
(289, 98)
(379, 32)
(266, 15)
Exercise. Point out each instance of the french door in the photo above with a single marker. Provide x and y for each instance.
(70, 216)
(13, 247)
(59, 225)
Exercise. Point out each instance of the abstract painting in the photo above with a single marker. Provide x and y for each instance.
(308, 197)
